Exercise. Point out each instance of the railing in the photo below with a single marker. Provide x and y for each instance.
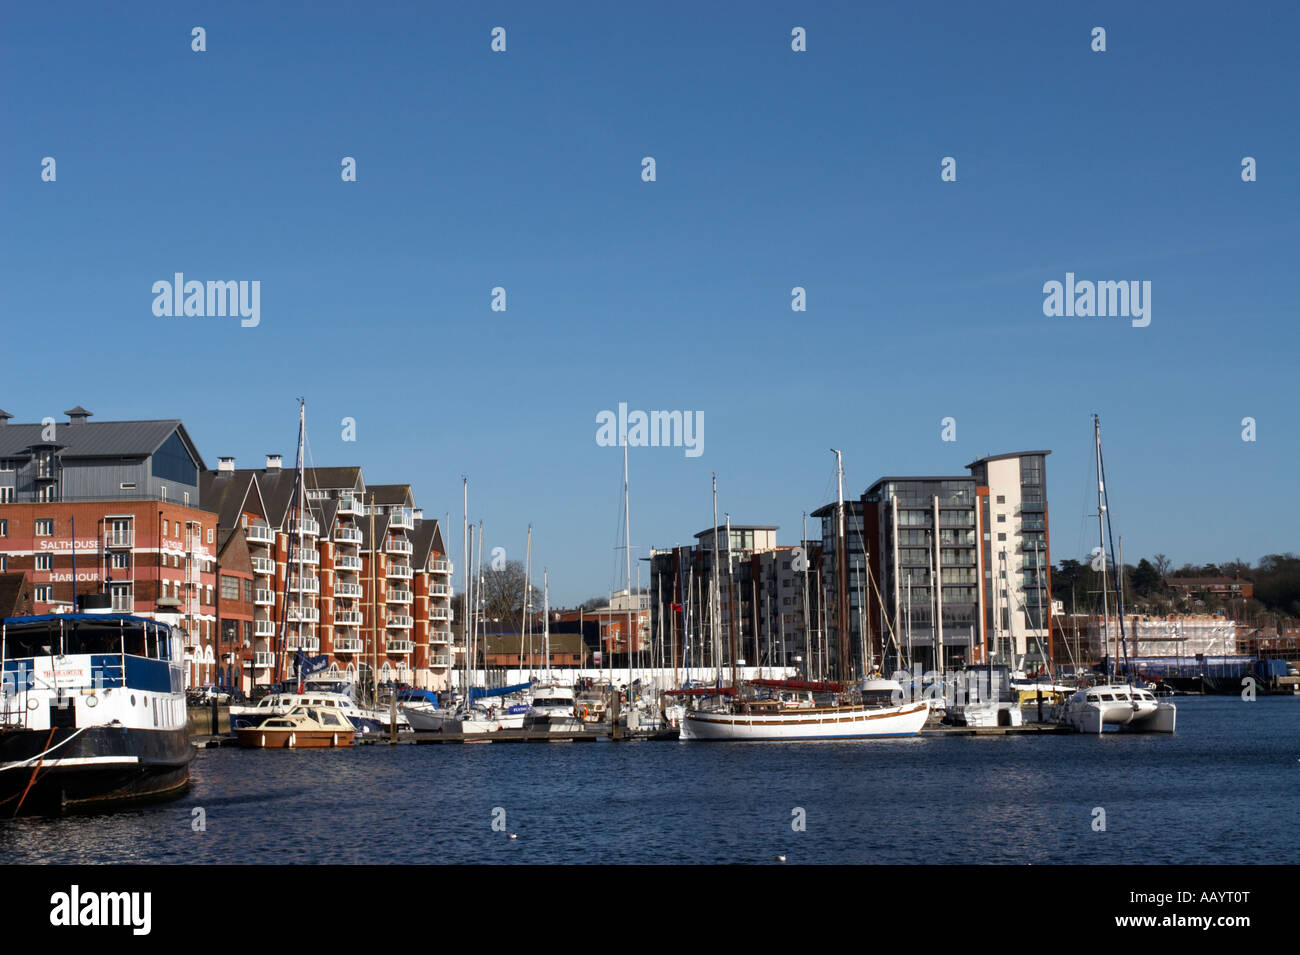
(347, 618)
(307, 585)
(401, 517)
(119, 539)
(260, 534)
(439, 590)
(310, 527)
(308, 644)
(304, 614)
(351, 504)
(440, 613)
(264, 598)
(264, 628)
(264, 566)
(347, 644)
(347, 535)
(440, 636)
(308, 556)
(347, 562)
(400, 597)
(345, 589)
(403, 571)
(399, 646)
(441, 566)
(397, 545)
(440, 660)
(400, 622)
(260, 660)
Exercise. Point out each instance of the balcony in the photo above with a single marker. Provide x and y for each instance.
(440, 660)
(345, 589)
(347, 645)
(306, 585)
(308, 556)
(440, 613)
(264, 566)
(399, 646)
(346, 562)
(260, 661)
(119, 539)
(347, 618)
(308, 644)
(400, 622)
(260, 534)
(308, 525)
(347, 535)
(439, 590)
(192, 572)
(351, 504)
(303, 615)
(401, 571)
(264, 598)
(264, 628)
(441, 566)
(401, 517)
(440, 636)
(400, 597)
(399, 545)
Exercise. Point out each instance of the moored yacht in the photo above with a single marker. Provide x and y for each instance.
(278, 704)
(1121, 706)
(92, 712)
(303, 727)
(553, 710)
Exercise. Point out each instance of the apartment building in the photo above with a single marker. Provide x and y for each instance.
(112, 509)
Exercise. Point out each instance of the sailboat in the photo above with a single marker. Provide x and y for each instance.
(776, 710)
(553, 707)
(1120, 705)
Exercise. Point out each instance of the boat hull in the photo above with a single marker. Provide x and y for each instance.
(826, 723)
(292, 739)
(101, 767)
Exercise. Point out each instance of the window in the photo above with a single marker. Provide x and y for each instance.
(248, 591)
(44, 594)
(1002, 499)
(44, 527)
(6, 495)
(1002, 537)
(4, 562)
(4, 528)
(1002, 518)
(209, 535)
(121, 560)
(44, 562)
(164, 527)
(127, 486)
(229, 587)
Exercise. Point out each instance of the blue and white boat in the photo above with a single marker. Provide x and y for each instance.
(92, 712)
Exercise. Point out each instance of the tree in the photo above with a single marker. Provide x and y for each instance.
(1146, 579)
(501, 594)
(1162, 564)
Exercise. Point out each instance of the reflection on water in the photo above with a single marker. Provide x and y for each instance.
(1202, 796)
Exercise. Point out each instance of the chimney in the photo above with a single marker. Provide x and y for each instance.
(273, 462)
(225, 465)
(418, 513)
(4, 417)
(78, 415)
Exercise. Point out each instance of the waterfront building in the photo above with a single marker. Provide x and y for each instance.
(109, 512)
(1225, 588)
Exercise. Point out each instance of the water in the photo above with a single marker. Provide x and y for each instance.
(1221, 791)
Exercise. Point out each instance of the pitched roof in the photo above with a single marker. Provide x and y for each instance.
(334, 479)
(427, 540)
(102, 439)
(387, 495)
(15, 595)
(228, 495)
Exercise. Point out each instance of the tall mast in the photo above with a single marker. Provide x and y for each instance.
(1101, 543)
(464, 597)
(734, 620)
(714, 637)
(546, 621)
(841, 572)
(528, 601)
(807, 622)
(627, 539)
(302, 425)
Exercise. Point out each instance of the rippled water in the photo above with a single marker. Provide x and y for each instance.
(1221, 791)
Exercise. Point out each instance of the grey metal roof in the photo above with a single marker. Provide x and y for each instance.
(1000, 457)
(102, 439)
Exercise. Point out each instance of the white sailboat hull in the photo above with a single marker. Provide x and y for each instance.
(843, 722)
(1139, 716)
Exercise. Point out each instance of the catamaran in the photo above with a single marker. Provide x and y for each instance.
(1120, 705)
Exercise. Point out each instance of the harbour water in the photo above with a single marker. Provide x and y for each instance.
(1220, 791)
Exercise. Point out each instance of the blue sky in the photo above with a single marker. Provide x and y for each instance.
(775, 169)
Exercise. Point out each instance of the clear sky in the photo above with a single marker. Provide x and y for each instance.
(774, 169)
